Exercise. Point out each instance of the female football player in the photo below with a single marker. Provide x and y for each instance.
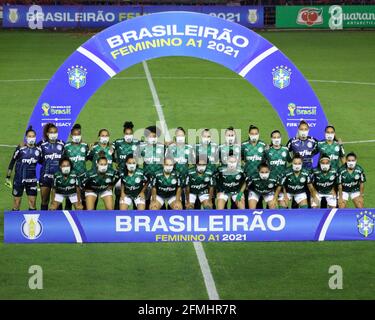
(133, 185)
(122, 148)
(65, 185)
(332, 147)
(102, 145)
(230, 146)
(25, 158)
(52, 151)
(351, 181)
(230, 184)
(98, 183)
(199, 186)
(277, 156)
(324, 179)
(166, 186)
(296, 181)
(265, 185)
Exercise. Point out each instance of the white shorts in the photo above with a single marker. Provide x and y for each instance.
(60, 198)
(255, 196)
(202, 197)
(162, 200)
(102, 194)
(225, 197)
(331, 200)
(351, 195)
(297, 197)
(128, 200)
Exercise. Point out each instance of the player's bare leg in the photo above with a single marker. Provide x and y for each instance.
(252, 204)
(90, 202)
(78, 206)
(32, 202)
(241, 204)
(358, 202)
(17, 203)
(207, 204)
(54, 205)
(220, 203)
(45, 193)
(108, 202)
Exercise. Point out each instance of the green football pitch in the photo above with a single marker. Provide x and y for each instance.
(194, 94)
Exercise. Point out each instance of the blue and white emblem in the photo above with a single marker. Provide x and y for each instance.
(281, 76)
(77, 76)
(365, 223)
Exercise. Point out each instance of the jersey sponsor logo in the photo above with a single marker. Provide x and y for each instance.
(281, 76)
(77, 158)
(365, 223)
(31, 228)
(278, 162)
(29, 161)
(253, 158)
(77, 76)
(52, 156)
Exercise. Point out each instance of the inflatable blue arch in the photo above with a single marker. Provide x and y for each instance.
(178, 34)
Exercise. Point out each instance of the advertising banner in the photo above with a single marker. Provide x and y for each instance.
(325, 17)
(189, 225)
(39, 17)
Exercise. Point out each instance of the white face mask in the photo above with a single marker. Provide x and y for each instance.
(168, 169)
(351, 164)
(65, 170)
(30, 140)
(128, 138)
(131, 166)
(303, 133)
(206, 140)
(103, 140)
(276, 141)
(297, 167)
(152, 140)
(53, 136)
(324, 167)
(232, 165)
(230, 139)
(201, 168)
(102, 168)
(76, 139)
(180, 139)
(264, 176)
(330, 136)
(254, 137)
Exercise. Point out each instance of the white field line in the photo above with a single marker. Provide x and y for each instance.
(193, 78)
(202, 259)
(347, 142)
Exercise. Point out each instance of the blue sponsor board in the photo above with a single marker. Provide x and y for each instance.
(189, 225)
(39, 17)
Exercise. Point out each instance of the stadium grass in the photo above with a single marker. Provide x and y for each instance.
(171, 271)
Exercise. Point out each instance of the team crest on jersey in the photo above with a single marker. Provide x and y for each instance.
(174, 181)
(108, 180)
(260, 149)
(83, 149)
(72, 181)
(77, 76)
(134, 147)
(337, 148)
(283, 154)
(365, 223)
(356, 176)
(31, 228)
(309, 144)
(206, 179)
(37, 153)
(332, 178)
(303, 179)
(59, 147)
(270, 185)
(137, 180)
(238, 177)
(281, 76)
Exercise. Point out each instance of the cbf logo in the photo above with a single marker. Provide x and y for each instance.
(281, 76)
(365, 223)
(77, 76)
(13, 15)
(45, 108)
(31, 228)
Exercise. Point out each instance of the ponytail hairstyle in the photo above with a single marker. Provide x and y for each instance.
(128, 125)
(77, 126)
(101, 156)
(46, 129)
(30, 129)
(252, 127)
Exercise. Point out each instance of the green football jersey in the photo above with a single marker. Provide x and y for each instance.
(94, 154)
(166, 186)
(77, 153)
(351, 181)
(209, 152)
(183, 157)
(229, 182)
(262, 186)
(277, 159)
(324, 181)
(122, 149)
(252, 155)
(94, 181)
(293, 183)
(335, 151)
(225, 150)
(65, 185)
(199, 183)
(134, 183)
(153, 158)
